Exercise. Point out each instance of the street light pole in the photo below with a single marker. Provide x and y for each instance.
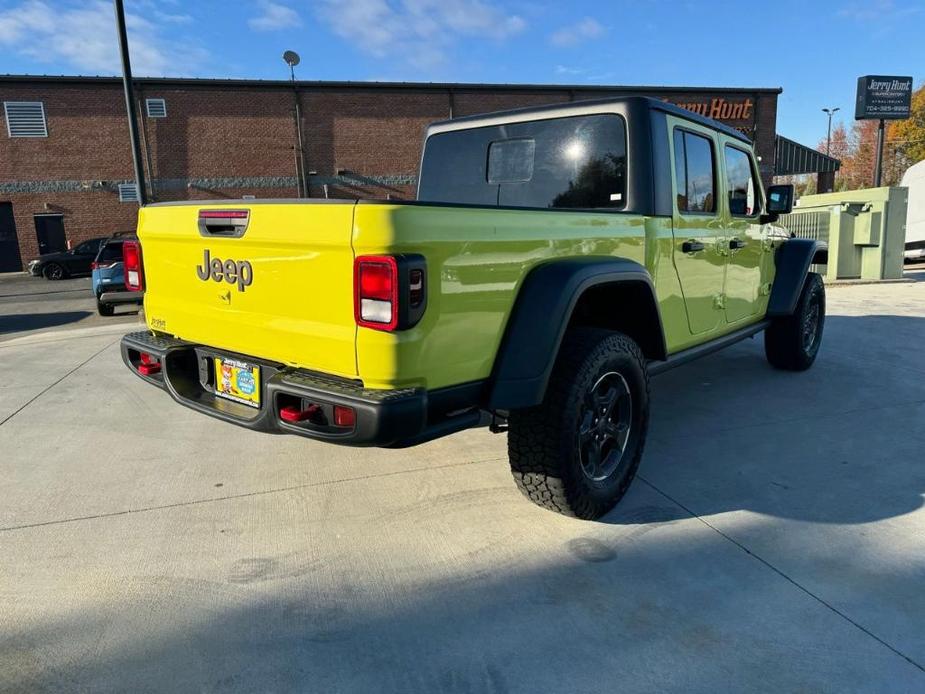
(130, 103)
(291, 58)
(828, 137)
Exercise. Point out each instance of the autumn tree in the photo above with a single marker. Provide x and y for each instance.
(904, 145)
(909, 135)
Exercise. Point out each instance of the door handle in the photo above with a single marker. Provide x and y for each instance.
(736, 244)
(692, 246)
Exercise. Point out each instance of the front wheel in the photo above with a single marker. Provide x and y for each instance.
(54, 271)
(578, 451)
(792, 342)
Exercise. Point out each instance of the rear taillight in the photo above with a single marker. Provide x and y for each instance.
(94, 265)
(376, 292)
(132, 267)
(390, 292)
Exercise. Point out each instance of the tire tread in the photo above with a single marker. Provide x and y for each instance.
(534, 440)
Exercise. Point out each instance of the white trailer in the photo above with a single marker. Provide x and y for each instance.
(914, 180)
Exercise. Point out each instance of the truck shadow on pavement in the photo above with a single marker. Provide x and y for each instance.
(21, 322)
(840, 443)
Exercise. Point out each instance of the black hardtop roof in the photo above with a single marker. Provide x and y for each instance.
(650, 102)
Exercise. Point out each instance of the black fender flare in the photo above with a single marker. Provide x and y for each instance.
(539, 319)
(792, 263)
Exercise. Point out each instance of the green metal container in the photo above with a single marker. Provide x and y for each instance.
(865, 231)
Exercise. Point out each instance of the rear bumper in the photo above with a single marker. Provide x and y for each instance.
(386, 418)
(115, 298)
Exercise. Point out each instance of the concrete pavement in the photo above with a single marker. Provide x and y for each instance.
(774, 540)
(30, 305)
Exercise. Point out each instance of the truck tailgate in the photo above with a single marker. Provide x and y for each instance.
(272, 280)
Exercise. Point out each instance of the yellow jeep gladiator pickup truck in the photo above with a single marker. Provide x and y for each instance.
(555, 258)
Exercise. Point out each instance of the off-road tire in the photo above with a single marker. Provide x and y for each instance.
(104, 309)
(54, 271)
(792, 342)
(543, 441)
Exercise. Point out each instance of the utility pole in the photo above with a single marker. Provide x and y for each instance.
(130, 104)
(828, 137)
(292, 59)
(878, 169)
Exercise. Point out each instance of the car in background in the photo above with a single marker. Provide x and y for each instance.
(107, 277)
(71, 263)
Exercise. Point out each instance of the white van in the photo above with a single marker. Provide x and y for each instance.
(914, 180)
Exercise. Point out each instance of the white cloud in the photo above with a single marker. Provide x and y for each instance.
(419, 32)
(566, 70)
(274, 17)
(877, 10)
(84, 38)
(587, 29)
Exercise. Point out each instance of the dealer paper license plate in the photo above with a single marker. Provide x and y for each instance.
(238, 381)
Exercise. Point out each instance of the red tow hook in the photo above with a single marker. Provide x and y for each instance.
(149, 369)
(293, 415)
(149, 365)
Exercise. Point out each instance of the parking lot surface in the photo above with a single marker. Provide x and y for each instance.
(773, 541)
(29, 305)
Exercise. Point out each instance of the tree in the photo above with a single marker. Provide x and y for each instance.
(909, 135)
(904, 145)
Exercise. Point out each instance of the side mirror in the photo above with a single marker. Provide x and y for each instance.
(780, 201)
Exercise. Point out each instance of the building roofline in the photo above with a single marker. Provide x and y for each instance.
(333, 84)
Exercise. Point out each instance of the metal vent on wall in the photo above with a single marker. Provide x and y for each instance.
(25, 119)
(157, 108)
(128, 192)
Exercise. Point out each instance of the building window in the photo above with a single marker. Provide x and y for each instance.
(128, 192)
(25, 119)
(157, 108)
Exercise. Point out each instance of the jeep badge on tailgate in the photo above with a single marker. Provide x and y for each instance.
(231, 271)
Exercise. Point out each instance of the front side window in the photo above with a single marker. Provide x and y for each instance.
(577, 162)
(694, 172)
(740, 183)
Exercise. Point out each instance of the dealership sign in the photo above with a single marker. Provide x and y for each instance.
(883, 98)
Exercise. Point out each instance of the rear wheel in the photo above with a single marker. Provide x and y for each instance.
(104, 309)
(578, 451)
(792, 342)
(54, 271)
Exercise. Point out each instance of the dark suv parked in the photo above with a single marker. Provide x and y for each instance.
(76, 261)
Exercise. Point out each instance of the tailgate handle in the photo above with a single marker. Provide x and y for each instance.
(228, 223)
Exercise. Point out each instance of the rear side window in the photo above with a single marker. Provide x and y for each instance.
(695, 172)
(88, 247)
(561, 163)
(740, 183)
(111, 253)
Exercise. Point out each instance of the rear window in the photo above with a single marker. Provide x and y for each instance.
(111, 252)
(560, 163)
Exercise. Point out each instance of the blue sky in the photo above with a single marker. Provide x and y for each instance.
(814, 49)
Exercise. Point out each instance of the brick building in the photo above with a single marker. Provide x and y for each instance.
(65, 156)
